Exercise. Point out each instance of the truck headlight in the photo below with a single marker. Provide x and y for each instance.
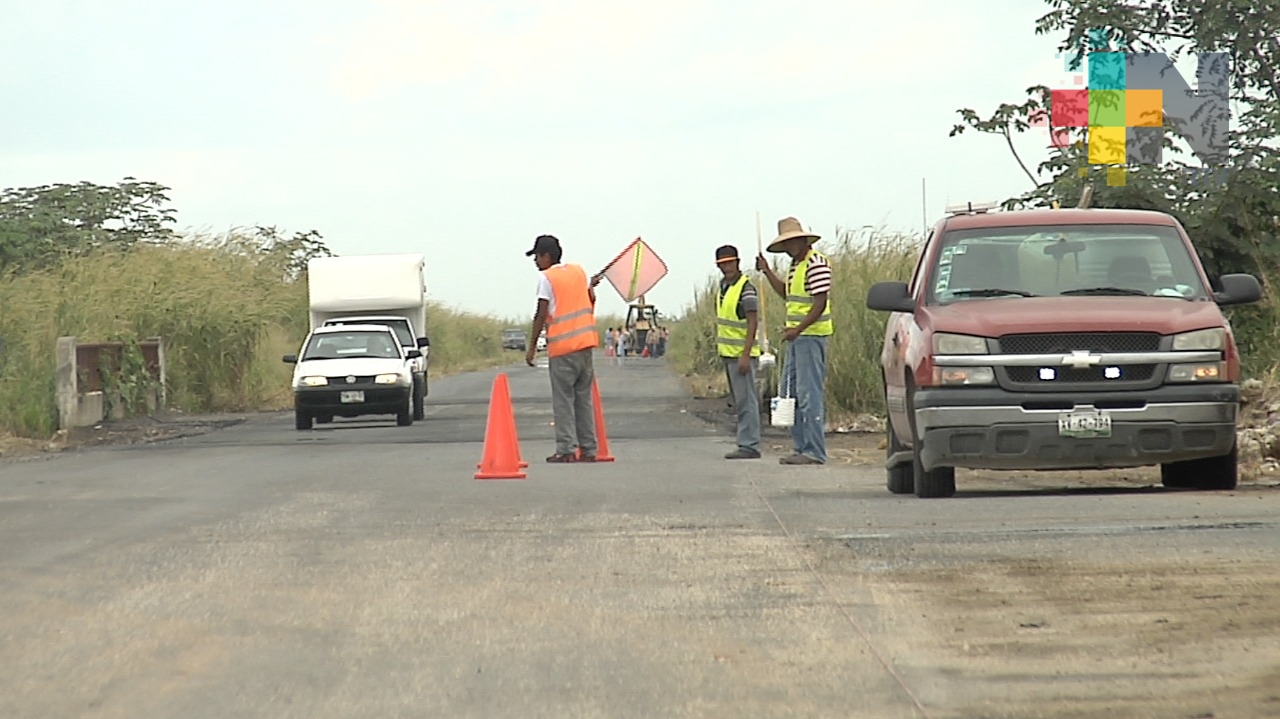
(389, 378)
(952, 376)
(313, 381)
(949, 344)
(1214, 338)
(1197, 372)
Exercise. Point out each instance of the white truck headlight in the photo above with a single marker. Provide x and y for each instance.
(1198, 372)
(389, 378)
(313, 381)
(1214, 338)
(953, 376)
(949, 344)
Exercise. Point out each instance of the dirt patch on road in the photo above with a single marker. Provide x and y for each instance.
(1194, 637)
(138, 430)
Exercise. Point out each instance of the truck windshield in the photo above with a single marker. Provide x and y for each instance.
(355, 343)
(1063, 260)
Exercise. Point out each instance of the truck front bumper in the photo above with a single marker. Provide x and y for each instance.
(981, 428)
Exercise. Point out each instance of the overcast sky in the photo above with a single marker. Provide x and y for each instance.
(462, 129)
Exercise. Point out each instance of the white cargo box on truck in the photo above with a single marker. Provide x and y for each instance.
(375, 289)
(368, 284)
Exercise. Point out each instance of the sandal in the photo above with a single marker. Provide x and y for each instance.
(560, 458)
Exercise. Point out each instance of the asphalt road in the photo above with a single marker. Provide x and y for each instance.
(358, 570)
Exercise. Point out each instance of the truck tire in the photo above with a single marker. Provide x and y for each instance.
(938, 482)
(1212, 473)
(419, 395)
(900, 479)
(302, 419)
(404, 417)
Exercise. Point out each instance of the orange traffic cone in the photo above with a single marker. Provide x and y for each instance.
(512, 416)
(602, 437)
(501, 458)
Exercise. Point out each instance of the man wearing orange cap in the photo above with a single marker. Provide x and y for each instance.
(737, 307)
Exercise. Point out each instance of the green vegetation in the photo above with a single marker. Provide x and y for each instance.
(98, 263)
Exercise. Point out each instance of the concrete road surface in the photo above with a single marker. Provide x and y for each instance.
(358, 570)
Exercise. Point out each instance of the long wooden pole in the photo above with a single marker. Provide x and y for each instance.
(761, 294)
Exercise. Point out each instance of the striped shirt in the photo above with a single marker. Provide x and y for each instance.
(817, 278)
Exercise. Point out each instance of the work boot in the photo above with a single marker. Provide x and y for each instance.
(742, 453)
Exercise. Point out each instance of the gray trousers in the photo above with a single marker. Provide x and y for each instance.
(571, 378)
(746, 400)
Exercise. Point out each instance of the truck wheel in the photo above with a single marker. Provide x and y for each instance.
(419, 393)
(404, 417)
(938, 482)
(1209, 473)
(301, 419)
(901, 478)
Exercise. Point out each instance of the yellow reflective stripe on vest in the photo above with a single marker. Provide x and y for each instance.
(731, 332)
(799, 301)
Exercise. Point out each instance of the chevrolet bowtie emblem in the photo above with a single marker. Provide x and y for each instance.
(1081, 359)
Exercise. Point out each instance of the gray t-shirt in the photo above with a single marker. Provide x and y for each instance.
(747, 301)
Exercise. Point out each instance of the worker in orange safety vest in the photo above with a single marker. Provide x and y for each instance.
(566, 308)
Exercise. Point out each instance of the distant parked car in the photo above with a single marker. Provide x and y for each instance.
(541, 345)
(513, 339)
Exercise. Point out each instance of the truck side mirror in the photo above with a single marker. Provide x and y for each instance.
(1238, 289)
(890, 297)
(291, 359)
(424, 342)
(413, 354)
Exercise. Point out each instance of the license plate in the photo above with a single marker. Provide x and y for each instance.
(353, 396)
(1084, 424)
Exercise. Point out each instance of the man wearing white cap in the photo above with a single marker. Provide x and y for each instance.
(808, 330)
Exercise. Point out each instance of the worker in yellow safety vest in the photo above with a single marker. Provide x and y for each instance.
(566, 308)
(737, 310)
(808, 329)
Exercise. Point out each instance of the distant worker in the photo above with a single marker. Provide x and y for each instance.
(808, 329)
(566, 308)
(737, 308)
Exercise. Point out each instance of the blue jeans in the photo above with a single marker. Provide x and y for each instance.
(805, 376)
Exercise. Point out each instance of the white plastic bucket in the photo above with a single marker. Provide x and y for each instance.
(782, 411)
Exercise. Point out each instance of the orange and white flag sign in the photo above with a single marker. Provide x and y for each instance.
(635, 270)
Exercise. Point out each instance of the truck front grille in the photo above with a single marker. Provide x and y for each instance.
(1071, 341)
(1065, 375)
(1056, 377)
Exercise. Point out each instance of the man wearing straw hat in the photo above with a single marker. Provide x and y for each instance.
(736, 310)
(808, 330)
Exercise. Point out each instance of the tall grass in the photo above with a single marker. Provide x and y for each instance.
(853, 369)
(226, 311)
(463, 341)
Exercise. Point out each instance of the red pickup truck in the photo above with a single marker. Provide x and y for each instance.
(1060, 339)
